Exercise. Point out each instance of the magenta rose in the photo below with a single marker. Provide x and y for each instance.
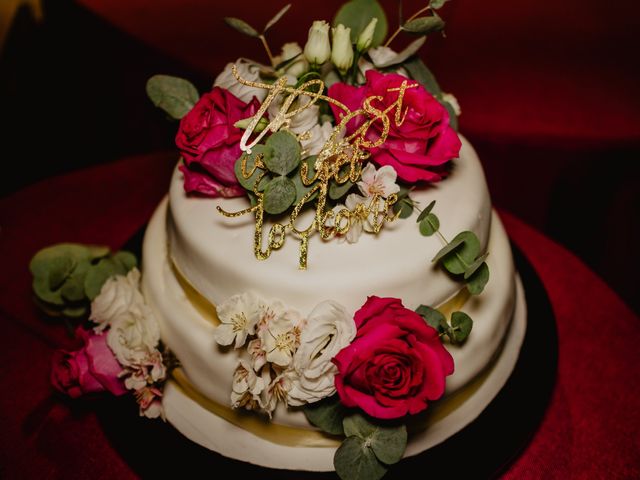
(419, 147)
(210, 144)
(395, 365)
(93, 368)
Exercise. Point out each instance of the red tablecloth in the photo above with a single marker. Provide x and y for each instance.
(589, 431)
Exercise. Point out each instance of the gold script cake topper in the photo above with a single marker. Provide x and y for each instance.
(337, 152)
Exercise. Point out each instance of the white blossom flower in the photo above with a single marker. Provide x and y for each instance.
(148, 399)
(342, 50)
(238, 318)
(281, 337)
(257, 353)
(246, 387)
(329, 329)
(289, 51)
(301, 122)
(318, 136)
(318, 49)
(119, 295)
(249, 71)
(380, 182)
(275, 392)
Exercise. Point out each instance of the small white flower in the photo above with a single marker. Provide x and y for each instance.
(329, 329)
(238, 318)
(249, 71)
(318, 49)
(246, 387)
(358, 221)
(275, 392)
(453, 101)
(281, 337)
(366, 36)
(318, 136)
(258, 355)
(289, 51)
(342, 50)
(118, 295)
(380, 182)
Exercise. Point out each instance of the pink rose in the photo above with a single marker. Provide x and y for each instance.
(395, 365)
(93, 368)
(419, 147)
(210, 144)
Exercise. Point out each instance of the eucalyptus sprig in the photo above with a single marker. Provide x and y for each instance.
(419, 24)
(246, 29)
(457, 331)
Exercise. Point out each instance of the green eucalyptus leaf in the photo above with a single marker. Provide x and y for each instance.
(475, 265)
(426, 211)
(477, 281)
(43, 292)
(248, 183)
(436, 4)
(73, 289)
(421, 74)
(409, 51)
(285, 155)
(448, 248)
(301, 188)
(279, 194)
(76, 311)
(357, 14)
(429, 225)
(355, 460)
(424, 25)
(337, 191)
(453, 118)
(459, 260)
(389, 443)
(174, 95)
(127, 259)
(276, 18)
(98, 274)
(358, 425)
(403, 207)
(241, 26)
(40, 264)
(59, 270)
(461, 325)
(244, 124)
(327, 414)
(433, 317)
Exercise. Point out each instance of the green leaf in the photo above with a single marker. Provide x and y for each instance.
(475, 265)
(73, 289)
(327, 414)
(337, 191)
(78, 311)
(404, 207)
(98, 274)
(244, 123)
(458, 254)
(409, 51)
(174, 95)
(276, 18)
(424, 25)
(286, 153)
(436, 4)
(279, 194)
(433, 317)
(421, 74)
(453, 118)
(429, 225)
(357, 14)
(461, 325)
(354, 460)
(248, 183)
(127, 259)
(43, 292)
(477, 281)
(301, 188)
(389, 443)
(426, 211)
(59, 269)
(358, 425)
(241, 26)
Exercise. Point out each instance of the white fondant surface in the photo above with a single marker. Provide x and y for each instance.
(218, 435)
(216, 255)
(210, 368)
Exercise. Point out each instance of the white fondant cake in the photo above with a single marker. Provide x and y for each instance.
(188, 238)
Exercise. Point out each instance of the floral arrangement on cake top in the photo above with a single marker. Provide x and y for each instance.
(343, 128)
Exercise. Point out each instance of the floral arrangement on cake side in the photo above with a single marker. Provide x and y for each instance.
(344, 127)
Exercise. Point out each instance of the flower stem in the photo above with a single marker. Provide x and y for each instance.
(268, 50)
(415, 15)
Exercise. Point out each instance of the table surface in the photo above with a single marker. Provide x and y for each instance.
(589, 430)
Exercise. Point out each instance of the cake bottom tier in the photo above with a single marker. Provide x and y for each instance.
(197, 400)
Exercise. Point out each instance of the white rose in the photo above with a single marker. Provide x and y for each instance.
(248, 71)
(342, 50)
(328, 330)
(318, 136)
(318, 49)
(133, 338)
(302, 121)
(118, 295)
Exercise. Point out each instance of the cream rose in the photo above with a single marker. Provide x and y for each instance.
(248, 70)
(328, 330)
(118, 295)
